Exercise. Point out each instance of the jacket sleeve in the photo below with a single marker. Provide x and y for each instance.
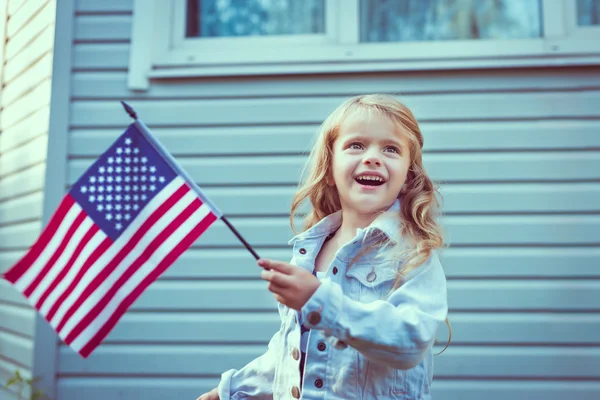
(255, 379)
(396, 332)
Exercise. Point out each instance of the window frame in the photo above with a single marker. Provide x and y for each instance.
(159, 48)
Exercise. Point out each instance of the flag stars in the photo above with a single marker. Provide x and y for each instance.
(152, 188)
(153, 169)
(92, 198)
(127, 217)
(92, 179)
(119, 150)
(100, 207)
(136, 150)
(162, 179)
(144, 159)
(128, 150)
(101, 170)
(111, 160)
(128, 141)
(109, 217)
(83, 189)
(119, 227)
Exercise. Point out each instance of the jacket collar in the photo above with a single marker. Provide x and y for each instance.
(388, 223)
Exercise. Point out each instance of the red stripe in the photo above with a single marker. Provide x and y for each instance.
(160, 268)
(96, 254)
(59, 251)
(84, 241)
(15, 273)
(136, 265)
(114, 263)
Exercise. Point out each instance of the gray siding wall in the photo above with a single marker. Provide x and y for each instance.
(24, 113)
(517, 152)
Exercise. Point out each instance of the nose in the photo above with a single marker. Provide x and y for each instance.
(372, 159)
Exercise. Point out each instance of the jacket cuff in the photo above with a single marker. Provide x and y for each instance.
(323, 309)
(224, 388)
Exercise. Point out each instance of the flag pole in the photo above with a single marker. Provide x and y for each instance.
(131, 112)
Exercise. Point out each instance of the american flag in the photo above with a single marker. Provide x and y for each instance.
(120, 226)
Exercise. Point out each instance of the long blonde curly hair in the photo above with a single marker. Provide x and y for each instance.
(419, 204)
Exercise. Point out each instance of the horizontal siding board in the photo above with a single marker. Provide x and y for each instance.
(458, 361)
(29, 80)
(23, 16)
(94, 56)
(103, 6)
(16, 319)
(541, 262)
(468, 328)
(26, 105)
(159, 388)
(10, 295)
(25, 156)
(457, 198)
(26, 181)
(28, 129)
(22, 208)
(461, 230)
(42, 21)
(114, 84)
(491, 295)
(38, 48)
(474, 106)
(16, 348)
(439, 136)
(103, 29)
(441, 167)
(19, 236)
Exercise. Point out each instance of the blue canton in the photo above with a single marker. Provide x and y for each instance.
(121, 182)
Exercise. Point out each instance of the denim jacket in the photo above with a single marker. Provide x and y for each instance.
(362, 343)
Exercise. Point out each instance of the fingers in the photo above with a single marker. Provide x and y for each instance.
(278, 266)
(275, 278)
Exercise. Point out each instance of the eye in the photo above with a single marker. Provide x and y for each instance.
(355, 146)
(393, 149)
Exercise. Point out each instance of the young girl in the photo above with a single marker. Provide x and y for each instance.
(364, 294)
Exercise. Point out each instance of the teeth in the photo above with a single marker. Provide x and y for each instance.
(370, 178)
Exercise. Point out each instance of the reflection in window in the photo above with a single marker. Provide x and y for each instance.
(417, 20)
(219, 18)
(588, 12)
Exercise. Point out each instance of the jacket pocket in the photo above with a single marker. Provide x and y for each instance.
(373, 281)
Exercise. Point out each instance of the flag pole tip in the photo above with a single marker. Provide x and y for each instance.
(129, 110)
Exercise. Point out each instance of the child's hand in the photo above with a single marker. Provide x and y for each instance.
(291, 286)
(212, 395)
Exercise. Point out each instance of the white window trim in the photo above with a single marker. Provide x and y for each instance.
(160, 50)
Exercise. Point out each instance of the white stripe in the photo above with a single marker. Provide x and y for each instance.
(159, 254)
(141, 246)
(36, 267)
(91, 273)
(92, 245)
(62, 260)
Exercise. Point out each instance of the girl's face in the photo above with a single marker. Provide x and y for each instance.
(370, 162)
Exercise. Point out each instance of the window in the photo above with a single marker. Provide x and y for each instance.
(180, 38)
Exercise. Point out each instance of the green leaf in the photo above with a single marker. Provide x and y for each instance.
(38, 394)
(13, 380)
(18, 375)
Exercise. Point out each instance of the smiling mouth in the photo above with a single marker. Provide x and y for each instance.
(370, 180)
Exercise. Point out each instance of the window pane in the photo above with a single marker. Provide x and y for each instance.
(221, 18)
(588, 12)
(417, 20)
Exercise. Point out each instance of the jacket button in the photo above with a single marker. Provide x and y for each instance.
(313, 318)
(295, 392)
(335, 270)
(302, 251)
(296, 354)
(321, 346)
(319, 383)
